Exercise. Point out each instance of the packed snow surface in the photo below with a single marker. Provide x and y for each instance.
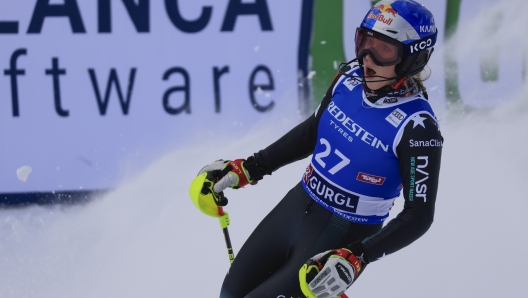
(146, 239)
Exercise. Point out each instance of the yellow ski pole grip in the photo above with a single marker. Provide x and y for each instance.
(304, 285)
(202, 195)
(223, 219)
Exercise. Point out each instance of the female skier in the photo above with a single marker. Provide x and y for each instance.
(373, 135)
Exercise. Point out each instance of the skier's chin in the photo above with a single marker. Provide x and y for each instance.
(372, 84)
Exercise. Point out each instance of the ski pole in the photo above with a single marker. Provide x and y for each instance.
(224, 222)
(209, 202)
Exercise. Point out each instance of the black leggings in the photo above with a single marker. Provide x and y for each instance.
(295, 230)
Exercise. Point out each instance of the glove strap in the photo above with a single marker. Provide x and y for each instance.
(238, 168)
(351, 258)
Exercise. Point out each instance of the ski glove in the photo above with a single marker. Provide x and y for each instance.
(229, 174)
(329, 273)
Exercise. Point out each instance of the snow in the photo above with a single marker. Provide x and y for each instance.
(146, 239)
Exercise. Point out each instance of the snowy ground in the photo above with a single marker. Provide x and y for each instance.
(146, 239)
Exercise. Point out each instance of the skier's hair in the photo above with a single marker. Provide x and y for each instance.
(421, 77)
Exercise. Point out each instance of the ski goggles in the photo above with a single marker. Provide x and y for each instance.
(383, 50)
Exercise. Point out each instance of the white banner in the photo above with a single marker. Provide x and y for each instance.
(92, 89)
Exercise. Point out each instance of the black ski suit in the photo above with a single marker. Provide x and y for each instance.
(298, 227)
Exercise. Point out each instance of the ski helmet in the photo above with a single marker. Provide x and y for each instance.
(407, 32)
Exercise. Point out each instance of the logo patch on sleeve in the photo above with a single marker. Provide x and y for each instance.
(396, 117)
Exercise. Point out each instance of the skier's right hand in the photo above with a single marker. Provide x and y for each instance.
(229, 174)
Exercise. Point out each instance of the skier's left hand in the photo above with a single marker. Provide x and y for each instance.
(329, 274)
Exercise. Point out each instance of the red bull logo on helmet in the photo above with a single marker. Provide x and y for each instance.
(380, 18)
(387, 8)
(382, 13)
